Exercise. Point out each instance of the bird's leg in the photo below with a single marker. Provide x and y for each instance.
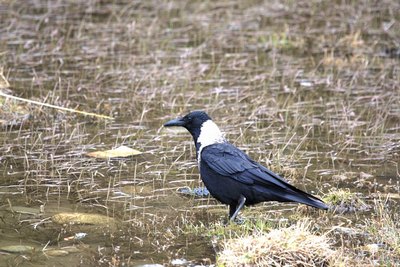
(239, 206)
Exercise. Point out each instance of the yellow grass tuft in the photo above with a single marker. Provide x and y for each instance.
(292, 246)
(342, 200)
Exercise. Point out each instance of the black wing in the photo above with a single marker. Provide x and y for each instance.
(227, 160)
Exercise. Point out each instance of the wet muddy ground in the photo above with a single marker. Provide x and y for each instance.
(308, 88)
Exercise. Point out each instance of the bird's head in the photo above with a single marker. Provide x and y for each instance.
(192, 121)
(200, 126)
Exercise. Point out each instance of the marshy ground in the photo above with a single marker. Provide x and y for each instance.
(308, 88)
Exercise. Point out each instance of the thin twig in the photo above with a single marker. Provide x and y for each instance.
(56, 107)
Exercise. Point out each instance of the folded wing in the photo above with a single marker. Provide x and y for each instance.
(227, 160)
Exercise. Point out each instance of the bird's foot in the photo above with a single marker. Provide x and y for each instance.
(237, 221)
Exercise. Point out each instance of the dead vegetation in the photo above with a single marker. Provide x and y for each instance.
(384, 228)
(292, 246)
(342, 200)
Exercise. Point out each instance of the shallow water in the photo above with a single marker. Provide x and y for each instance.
(310, 94)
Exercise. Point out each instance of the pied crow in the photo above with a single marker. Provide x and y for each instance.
(230, 175)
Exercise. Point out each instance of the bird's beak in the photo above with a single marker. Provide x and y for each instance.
(175, 122)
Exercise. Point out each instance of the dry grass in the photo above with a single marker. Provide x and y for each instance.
(292, 246)
(342, 200)
(384, 229)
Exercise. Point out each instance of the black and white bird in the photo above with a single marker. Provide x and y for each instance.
(230, 175)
